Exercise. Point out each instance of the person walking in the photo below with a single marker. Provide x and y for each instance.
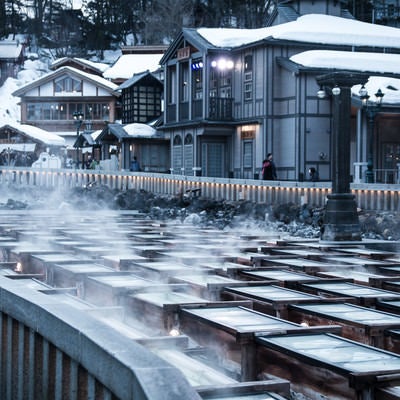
(269, 168)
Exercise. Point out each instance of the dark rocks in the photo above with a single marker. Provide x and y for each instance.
(296, 220)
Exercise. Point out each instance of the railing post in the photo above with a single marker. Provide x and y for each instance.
(359, 171)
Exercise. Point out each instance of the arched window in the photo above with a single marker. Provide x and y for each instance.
(177, 156)
(188, 154)
(177, 140)
(189, 139)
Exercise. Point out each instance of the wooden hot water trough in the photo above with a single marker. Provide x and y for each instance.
(269, 299)
(361, 324)
(229, 330)
(329, 365)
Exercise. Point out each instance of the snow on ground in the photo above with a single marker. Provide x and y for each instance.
(9, 108)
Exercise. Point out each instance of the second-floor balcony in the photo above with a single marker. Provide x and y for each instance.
(219, 109)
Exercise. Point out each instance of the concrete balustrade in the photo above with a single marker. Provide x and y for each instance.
(378, 197)
(79, 358)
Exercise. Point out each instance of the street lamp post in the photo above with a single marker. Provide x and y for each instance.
(78, 118)
(371, 109)
(341, 222)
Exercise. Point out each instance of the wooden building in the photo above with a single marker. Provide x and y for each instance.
(123, 142)
(141, 98)
(232, 96)
(51, 102)
(21, 145)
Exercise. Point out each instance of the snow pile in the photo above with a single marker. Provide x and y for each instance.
(9, 108)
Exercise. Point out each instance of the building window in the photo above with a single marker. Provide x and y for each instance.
(184, 82)
(248, 154)
(189, 139)
(188, 151)
(172, 85)
(177, 156)
(68, 85)
(248, 77)
(226, 84)
(197, 77)
(177, 140)
(221, 78)
(141, 104)
(65, 111)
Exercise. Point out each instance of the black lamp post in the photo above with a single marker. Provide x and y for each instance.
(371, 109)
(78, 118)
(341, 221)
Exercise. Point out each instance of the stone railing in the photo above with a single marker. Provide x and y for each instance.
(49, 352)
(378, 197)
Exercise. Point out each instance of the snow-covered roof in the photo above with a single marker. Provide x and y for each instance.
(354, 61)
(95, 134)
(361, 62)
(129, 64)
(48, 138)
(99, 79)
(101, 67)
(389, 86)
(136, 78)
(310, 28)
(129, 131)
(10, 49)
(90, 77)
(93, 64)
(140, 130)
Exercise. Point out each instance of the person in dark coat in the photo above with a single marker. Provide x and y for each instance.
(314, 175)
(269, 169)
(135, 165)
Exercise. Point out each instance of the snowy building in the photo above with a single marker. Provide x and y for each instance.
(127, 141)
(51, 101)
(141, 98)
(133, 61)
(234, 95)
(21, 145)
(82, 64)
(12, 54)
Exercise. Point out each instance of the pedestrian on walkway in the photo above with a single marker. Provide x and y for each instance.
(269, 168)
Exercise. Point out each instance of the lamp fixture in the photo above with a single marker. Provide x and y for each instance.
(336, 90)
(78, 115)
(222, 64)
(321, 93)
(379, 96)
(364, 96)
(363, 92)
(371, 109)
